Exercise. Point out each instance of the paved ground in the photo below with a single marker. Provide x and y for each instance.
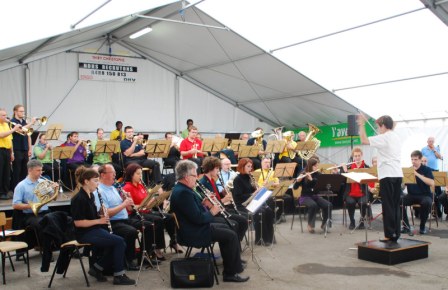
(297, 261)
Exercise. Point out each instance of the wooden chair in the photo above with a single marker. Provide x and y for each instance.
(73, 248)
(8, 246)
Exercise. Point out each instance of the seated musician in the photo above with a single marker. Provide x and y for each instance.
(226, 173)
(211, 167)
(79, 157)
(174, 153)
(267, 179)
(419, 193)
(195, 222)
(137, 190)
(135, 153)
(24, 193)
(117, 208)
(90, 228)
(257, 140)
(190, 148)
(42, 151)
(244, 186)
(355, 192)
(105, 157)
(118, 133)
(290, 155)
(308, 179)
(184, 133)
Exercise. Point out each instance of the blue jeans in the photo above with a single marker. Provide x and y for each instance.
(113, 245)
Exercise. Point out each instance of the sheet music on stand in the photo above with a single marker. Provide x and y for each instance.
(440, 178)
(103, 146)
(360, 177)
(150, 198)
(236, 144)
(259, 200)
(248, 151)
(158, 148)
(371, 171)
(306, 146)
(283, 170)
(53, 132)
(409, 175)
(162, 197)
(63, 152)
(280, 190)
(275, 146)
(214, 145)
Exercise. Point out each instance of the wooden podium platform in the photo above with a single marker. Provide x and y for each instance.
(387, 253)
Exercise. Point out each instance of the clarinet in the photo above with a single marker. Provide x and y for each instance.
(104, 209)
(207, 194)
(224, 187)
(125, 195)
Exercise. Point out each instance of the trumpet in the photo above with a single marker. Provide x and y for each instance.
(23, 130)
(86, 143)
(40, 121)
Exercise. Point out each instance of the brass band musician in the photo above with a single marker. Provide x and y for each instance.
(257, 140)
(289, 154)
(190, 147)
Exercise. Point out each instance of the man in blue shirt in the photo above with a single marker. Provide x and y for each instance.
(432, 154)
(420, 192)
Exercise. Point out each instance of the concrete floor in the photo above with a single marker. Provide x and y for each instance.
(297, 261)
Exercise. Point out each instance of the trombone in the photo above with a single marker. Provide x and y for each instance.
(23, 130)
(42, 121)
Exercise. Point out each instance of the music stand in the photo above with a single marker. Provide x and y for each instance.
(214, 145)
(248, 151)
(53, 132)
(103, 146)
(409, 175)
(236, 144)
(285, 169)
(275, 146)
(63, 152)
(326, 185)
(158, 148)
(306, 145)
(440, 178)
(278, 194)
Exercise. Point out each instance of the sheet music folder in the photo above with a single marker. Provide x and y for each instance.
(158, 148)
(259, 200)
(214, 145)
(103, 146)
(409, 175)
(63, 152)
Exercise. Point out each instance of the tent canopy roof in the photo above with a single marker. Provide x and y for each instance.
(219, 60)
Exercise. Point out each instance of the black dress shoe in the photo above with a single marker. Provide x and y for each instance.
(235, 278)
(123, 280)
(97, 274)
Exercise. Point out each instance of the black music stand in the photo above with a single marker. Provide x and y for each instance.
(52, 134)
(285, 170)
(63, 152)
(278, 194)
(158, 148)
(103, 146)
(327, 185)
(214, 145)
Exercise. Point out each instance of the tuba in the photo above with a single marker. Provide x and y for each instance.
(313, 130)
(43, 192)
(277, 135)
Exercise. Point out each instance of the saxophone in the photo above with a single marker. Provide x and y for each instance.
(307, 154)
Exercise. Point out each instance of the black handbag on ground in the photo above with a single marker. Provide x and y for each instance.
(191, 273)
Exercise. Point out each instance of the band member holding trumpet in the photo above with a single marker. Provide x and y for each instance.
(307, 180)
(245, 186)
(195, 222)
(21, 144)
(190, 147)
(135, 153)
(355, 192)
(90, 228)
(42, 151)
(6, 153)
(210, 167)
(137, 191)
(390, 174)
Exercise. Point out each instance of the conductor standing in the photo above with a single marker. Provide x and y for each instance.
(390, 174)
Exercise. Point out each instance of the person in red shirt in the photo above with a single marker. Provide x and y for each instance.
(190, 147)
(137, 191)
(357, 193)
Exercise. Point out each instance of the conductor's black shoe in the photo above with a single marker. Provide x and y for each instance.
(361, 226)
(405, 230)
(235, 278)
(97, 274)
(351, 226)
(123, 280)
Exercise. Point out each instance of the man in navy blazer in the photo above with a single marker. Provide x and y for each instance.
(195, 227)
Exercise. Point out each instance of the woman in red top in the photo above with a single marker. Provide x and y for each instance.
(133, 185)
(357, 193)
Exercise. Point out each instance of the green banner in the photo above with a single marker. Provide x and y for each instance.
(336, 135)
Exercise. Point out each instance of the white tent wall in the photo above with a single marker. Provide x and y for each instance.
(211, 114)
(12, 88)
